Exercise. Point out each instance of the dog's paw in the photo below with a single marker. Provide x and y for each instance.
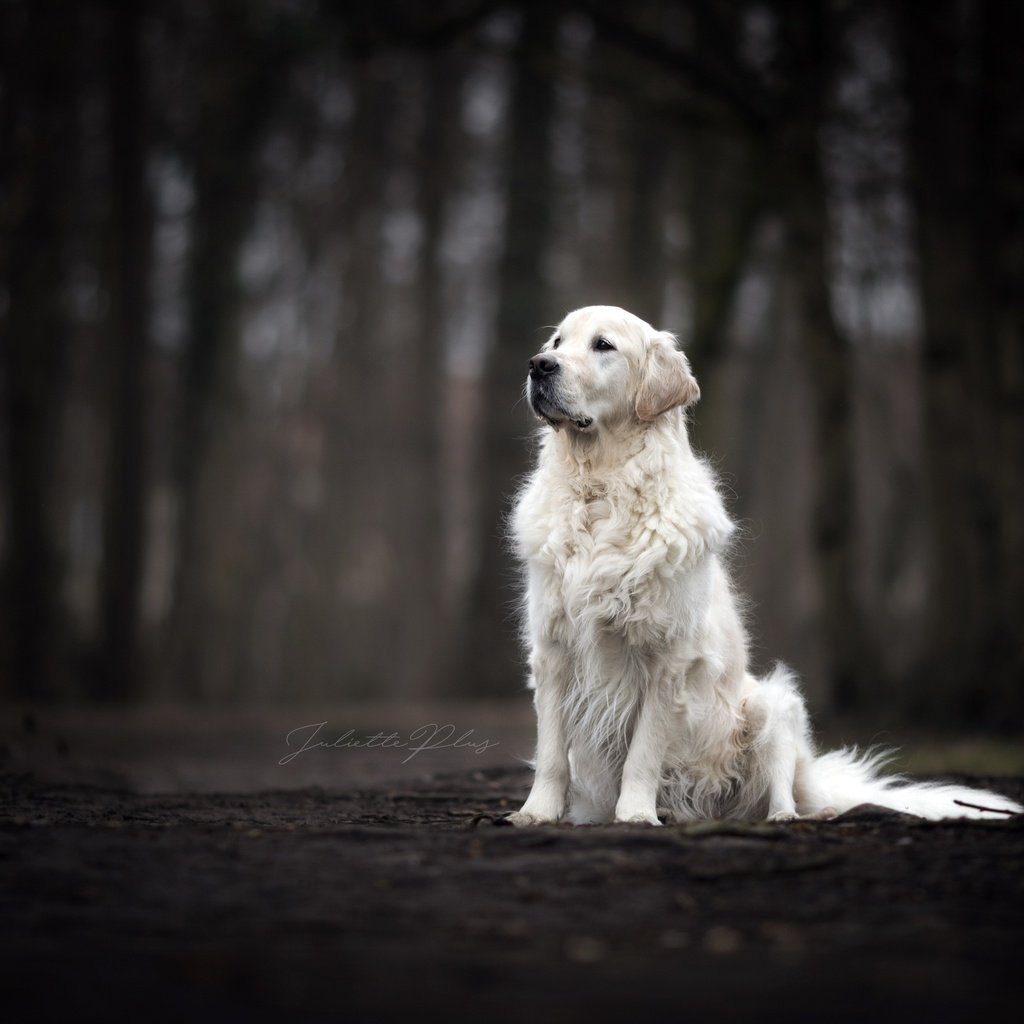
(528, 819)
(636, 817)
(825, 814)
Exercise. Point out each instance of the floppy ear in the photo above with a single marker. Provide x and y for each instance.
(666, 381)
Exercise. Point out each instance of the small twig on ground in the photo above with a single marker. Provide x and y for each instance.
(991, 810)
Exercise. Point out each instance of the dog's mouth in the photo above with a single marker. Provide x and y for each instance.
(549, 409)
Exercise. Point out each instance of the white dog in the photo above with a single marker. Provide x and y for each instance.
(638, 655)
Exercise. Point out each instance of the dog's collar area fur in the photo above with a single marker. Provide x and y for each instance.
(594, 450)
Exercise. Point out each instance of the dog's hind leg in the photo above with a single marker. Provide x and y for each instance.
(780, 745)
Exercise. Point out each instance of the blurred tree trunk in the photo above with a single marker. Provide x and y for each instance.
(342, 617)
(494, 658)
(610, 206)
(39, 97)
(827, 356)
(729, 190)
(810, 37)
(426, 656)
(236, 82)
(961, 65)
(651, 151)
(118, 668)
(1002, 155)
(728, 196)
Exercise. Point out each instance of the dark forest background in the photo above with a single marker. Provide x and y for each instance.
(271, 271)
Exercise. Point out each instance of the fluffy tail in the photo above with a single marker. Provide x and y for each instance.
(845, 778)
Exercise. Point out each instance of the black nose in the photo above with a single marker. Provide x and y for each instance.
(542, 366)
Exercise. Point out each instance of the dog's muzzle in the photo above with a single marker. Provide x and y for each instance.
(543, 394)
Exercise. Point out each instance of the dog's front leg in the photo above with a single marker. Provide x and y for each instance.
(641, 774)
(547, 799)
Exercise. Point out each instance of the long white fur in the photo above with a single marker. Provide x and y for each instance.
(638, 655)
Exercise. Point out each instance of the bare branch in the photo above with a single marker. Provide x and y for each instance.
(741, 97)
(991, 810)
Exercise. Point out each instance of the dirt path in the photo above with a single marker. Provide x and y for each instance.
(415, 903)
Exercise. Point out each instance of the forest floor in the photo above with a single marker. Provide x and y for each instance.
(373, 900)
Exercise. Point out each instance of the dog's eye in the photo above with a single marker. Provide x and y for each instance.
(603, 345)
(556, 342)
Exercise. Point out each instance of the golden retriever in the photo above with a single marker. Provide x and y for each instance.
(637, 650)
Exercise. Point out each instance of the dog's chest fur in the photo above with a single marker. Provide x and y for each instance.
(607, 555)
(591, 589)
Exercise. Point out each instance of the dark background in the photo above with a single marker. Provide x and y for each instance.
(271, 272)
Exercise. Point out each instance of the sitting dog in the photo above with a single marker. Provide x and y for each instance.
(637, 650)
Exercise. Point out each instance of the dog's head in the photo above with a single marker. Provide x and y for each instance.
(604, 367)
